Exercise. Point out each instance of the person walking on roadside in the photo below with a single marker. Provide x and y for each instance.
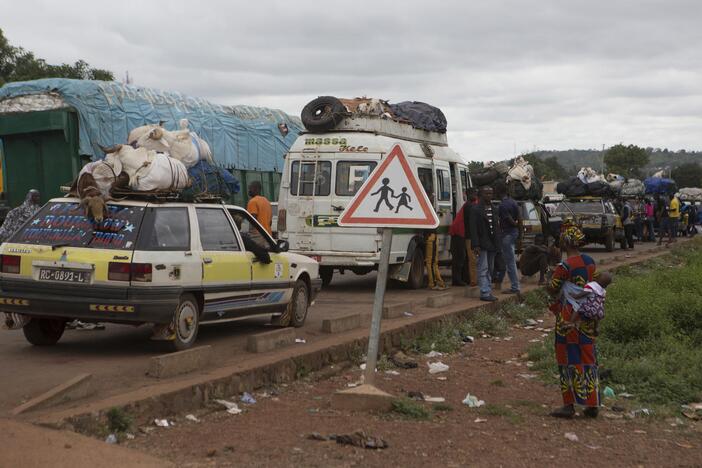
(259, 206)
(674, 215)
(576, 353)
(472, 260)
(485, 240)
(663, 220)
(459, 266)
(431, 257)
(628, 222)
(650, 220)
(510, 222)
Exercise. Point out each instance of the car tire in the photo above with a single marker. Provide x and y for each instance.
(415, 280)
(323, 114)
(299, 304)
(326, 274)
(609, 241)
(44, 331)
(186, 323)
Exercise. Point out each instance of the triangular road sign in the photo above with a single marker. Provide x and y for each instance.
(391, 197)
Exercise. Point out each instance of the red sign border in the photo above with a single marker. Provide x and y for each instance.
(347, 218)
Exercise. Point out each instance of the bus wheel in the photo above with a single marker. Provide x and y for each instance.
(416, 274)
(326, 274)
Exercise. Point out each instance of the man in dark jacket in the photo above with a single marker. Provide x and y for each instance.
(484, 236)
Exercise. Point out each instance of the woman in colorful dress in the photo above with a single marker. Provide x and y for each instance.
(575, 342)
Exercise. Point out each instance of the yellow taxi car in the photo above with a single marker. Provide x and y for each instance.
(174, 265)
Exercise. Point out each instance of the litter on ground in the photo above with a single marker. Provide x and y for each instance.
(191, 417)
(248, 399)
(437, 367)
(571, 436)
(232, 408)
(472, 401)
(162, 422)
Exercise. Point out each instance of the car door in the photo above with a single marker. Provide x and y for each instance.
(271, 283)
(226, 268)
(166, 245)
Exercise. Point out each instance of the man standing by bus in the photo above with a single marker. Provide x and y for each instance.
(259, 206)
(485, 240)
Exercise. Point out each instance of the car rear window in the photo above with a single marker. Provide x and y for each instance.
(65, 224)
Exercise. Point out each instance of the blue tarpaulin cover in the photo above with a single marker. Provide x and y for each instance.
(241, 137)
(658, 185)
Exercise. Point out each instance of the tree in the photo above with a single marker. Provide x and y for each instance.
(17, 64)
(626, 160)
(547, 168)
(475, 166)
(687, 175)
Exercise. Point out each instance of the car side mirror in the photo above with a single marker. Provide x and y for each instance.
(283, 245)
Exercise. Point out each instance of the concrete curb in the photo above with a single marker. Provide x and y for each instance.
(268, 341)
(76, 388)
(341, 323)
(181, 362)
(193, 392)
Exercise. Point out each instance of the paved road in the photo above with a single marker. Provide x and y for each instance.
(118, 356)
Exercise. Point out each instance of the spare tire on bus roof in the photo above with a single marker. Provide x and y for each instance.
(323, 113)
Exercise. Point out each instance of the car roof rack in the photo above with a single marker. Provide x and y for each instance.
(165, 196)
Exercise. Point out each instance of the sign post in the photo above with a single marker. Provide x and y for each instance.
(391, 197)
(378, 301)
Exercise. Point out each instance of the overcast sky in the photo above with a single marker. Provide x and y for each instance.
(541, 74)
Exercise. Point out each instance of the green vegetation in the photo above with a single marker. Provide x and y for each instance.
(626, 160)
(118, 421)
(442, 407)
(651, 337)
(17, 64)
(573, 160)
(410, 409)
(687, 175)
(547, 168)
(501, 411)
(447, 336)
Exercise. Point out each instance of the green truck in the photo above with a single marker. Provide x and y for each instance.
(44, 149)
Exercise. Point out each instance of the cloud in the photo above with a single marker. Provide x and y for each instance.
(508, 74)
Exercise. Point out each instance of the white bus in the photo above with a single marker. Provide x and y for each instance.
(323, 171)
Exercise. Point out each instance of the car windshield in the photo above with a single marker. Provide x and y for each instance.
(579, 207)
(65, 224)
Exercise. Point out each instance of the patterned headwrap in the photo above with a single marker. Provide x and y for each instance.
(571, 234)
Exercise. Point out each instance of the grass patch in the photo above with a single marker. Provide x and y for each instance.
(442, 407)
(118, 421)
(410, 409)
(651, 337)
(501, 411)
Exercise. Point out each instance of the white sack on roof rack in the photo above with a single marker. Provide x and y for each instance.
(522, 172)
(587, 175)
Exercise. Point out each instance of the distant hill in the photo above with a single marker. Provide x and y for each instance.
(575, 159)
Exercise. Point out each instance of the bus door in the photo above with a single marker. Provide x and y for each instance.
(444, 200)
(310, 187)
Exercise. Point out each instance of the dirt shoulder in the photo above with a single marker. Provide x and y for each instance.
(30, 446)
(515, 429)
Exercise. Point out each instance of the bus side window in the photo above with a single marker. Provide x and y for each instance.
(350, 175)
(464, 180)
(427, 181)
(442, 177)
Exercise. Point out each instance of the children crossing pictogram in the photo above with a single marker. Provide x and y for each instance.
(392, 196)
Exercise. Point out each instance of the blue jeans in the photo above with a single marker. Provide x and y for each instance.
(486, 264)
(508, 242)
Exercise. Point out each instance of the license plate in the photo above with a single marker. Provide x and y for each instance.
(64, 276)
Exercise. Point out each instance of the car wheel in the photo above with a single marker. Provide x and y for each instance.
(299, 303)
(43, 331)
(186, 323)
(416, 274)
(609, 241)
(326, 274)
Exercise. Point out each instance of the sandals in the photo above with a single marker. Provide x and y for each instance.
(564, 412)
